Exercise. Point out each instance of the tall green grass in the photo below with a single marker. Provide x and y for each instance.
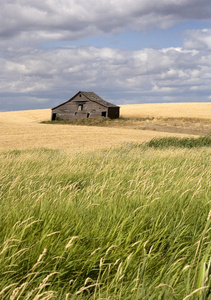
(129, 223)
(166, 142)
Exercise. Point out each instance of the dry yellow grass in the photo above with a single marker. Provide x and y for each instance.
(168, 110)
(23, 130)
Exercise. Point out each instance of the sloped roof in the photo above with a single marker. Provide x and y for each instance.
(92, 97)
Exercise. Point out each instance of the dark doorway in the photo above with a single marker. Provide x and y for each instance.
(103, 113)
(53, 117)
(88, 115)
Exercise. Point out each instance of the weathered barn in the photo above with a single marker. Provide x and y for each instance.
(85, 105)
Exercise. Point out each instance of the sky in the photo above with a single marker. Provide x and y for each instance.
(126, 51)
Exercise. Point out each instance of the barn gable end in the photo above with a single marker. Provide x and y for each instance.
(85, 105)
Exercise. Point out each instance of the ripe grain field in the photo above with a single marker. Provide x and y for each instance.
(168, 110)
(23, 130)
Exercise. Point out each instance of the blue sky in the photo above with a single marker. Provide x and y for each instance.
(134, 40)
(126, 51)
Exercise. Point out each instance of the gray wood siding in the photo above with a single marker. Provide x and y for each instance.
(81, 107)
(70, 110)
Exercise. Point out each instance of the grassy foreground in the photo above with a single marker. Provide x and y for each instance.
(166, 142)
(128, 223)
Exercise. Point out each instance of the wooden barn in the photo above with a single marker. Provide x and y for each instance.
(85, 105)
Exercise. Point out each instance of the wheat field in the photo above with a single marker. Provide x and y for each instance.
(168, 110)
(23, 129)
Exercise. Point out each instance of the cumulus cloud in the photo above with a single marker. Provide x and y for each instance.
(169, 74)
(73, 19)
(198, 39)
(33, 76)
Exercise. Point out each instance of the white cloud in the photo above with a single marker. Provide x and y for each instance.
(73, 19)
(171, 73)
(198, 39)
(33, 75)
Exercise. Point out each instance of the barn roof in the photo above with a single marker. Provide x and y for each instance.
(92, 97)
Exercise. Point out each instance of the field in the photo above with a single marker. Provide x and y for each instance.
(109, 218)
(190, 118)
(168, 110)
(23, 129)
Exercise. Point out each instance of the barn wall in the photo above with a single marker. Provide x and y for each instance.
(113, 112)
(81, 107)
(71, 111)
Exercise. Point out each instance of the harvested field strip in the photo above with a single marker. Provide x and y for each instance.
(173, 125)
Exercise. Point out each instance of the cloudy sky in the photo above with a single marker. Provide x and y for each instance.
(126, 51)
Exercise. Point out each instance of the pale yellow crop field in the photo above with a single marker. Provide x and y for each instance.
(23, 130)
(168, 110)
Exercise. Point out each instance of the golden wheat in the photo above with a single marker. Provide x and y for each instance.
(23, 130)
(168, 110)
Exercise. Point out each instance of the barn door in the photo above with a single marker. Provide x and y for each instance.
(53, 117)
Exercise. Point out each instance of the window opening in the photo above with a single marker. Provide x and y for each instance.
(103, 113)
(80, 107)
